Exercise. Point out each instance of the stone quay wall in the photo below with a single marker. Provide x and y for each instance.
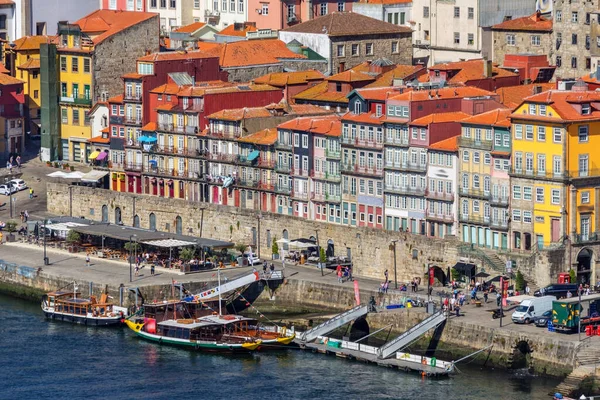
(371, 249)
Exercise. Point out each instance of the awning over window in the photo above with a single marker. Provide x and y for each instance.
(102, 156)
(253, 155)
(93, 176)
(94, 155)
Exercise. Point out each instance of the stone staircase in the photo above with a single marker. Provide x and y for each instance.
(588, 355)
(572, 383)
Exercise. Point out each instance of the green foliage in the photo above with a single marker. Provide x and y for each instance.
(322, 256)
(241, 247)
(573, 275)
(11, 226)
(187, 253)
(520, 281)
(132, 246)
(73, 237)
(275, 246)
(455, 274)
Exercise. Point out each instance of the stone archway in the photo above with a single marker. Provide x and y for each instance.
(439, 275)
(360, 328)
(330, 248)
(521, 355)
(585, 260)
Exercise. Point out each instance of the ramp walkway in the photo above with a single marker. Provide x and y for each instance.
(334, 323)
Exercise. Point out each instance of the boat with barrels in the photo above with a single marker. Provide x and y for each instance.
(70, 306)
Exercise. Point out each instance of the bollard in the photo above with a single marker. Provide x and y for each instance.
(91, 289)
(120, 296)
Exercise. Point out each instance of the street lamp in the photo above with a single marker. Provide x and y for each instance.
(319, 252)
(130, 247)
(46, 261)
(395, 270)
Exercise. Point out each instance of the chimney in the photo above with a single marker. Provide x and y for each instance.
(487, 68)
(537, 89)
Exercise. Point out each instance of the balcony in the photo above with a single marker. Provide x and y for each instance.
(182, 151)
(283, 189)
(397, 141)
(475, 193)
(255, 184)
(325, 176)
(262, 34)
(406, 190)
(362, 143)
(589, 238)
(538, 174)
(499, 225)
(439, 217)
(132, 121)
(283, 146)
(333, 154)
(174, 172)
(439, 195)
(326, 197)
(299, 172)
(499, 201)
(474, 219)
(132, 97)
(220, 157)
(362, 170)
(257, 162)
(130, 166)
(299, 195)
(165, 127)
(413, 167)
(285, 168)
(475, 144)
(81, 101)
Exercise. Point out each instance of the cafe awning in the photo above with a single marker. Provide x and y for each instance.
(94, 155)
(102, 156)
(94, 176)
(169, 243)
(253, 155)
(63, 226)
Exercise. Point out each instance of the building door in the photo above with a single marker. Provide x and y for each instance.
(242, 194)
(555, 229)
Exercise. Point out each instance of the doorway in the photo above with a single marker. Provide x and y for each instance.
(584, 266)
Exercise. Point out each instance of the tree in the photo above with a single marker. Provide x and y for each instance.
(73, 237)
(11, 226)
(455, 274)
(275, 246)
(132, 246)
(241, 248)
(573, 275)
(520, 281)
(187, 253)
(322, 256)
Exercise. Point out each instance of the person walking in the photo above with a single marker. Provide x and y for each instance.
(19, 162)
(527, 290)
(22, 216)
(26, 215)
(152, 270)
(31, 193)
(350, 278)
(87, 260)
(386, 275)
(485, 296)
(498, 299)
(339, 274)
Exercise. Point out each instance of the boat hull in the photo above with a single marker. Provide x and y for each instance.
(83, 320)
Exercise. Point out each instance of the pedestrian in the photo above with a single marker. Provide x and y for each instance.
(152, 269)
(386, 275)
(19, 161)
(527, 290)
(339, 274)
(283, 264)
(569, 294)
(137, 270)
(452, 303)
(485, 296)
(386, 286)
(461, 299)
(22, 216)
(26, 215)
(457, 309)
(265, 268)
(272, 267)
(498, 299)
(350, 278)
(87, 260)
(31, 193)
(1, 237)
(430, 290)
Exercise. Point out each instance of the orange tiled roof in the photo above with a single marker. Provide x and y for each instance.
(165, 107)
(327, 125)
(450, 144)
(175, 55)
(150, 126)
(238, 114)
(280, 79)
(204, 88)
(450, 92)
(250, 52)
(379, 93)
(561, 101)
(3, 69)
(441, 117)
(512, 96)
(191, 28)
(470, 70)
(534, 22)
(100, 139)
(498, 117)
(399, 72)
(102, 24)
(347, 23)
(231, 31)
(9, 80)
(320, 92)
(386, 1)
(32, 63)
(350, 76)
(7, 3)
(33, 42)
(116, 99)
(132, 75)
(365, 118)
(266, 137)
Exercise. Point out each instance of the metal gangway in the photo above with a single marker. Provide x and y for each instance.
(334, 323)
(390, 348)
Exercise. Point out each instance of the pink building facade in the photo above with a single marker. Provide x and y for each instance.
(124, 5)
(277, 14)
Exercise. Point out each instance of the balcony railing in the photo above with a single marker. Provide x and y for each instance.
(299, 195)
(130, 166)
(362, 143)
(283, 189)
(589, 238)
(325, 176)
(439, 216)
(283, 167)
(498, 224)
(414, 167)
(255, 184)
(170, 172)
(283, 146)
(501, 201)
(476, 193)
(299, 172)
(226, 158)
(535, 173)
(166, 127)
(133, 97)
(333, 154)
(173, 150)
(83, 101)
(132, 121)
(357, 169)
(439, 195)
(475, 144)
(326, 197)
(474, 219)
(414, 191)
(257, 162)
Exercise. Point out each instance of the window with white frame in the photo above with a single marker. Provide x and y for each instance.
(516, 216)
(583, 165)
(516, 192)
(528, 132)
(476, 157)
(527, 193)
(466, 155)
(532, 109)
(510, 40)
(518, 131)
(323, 8)
(536, 40)
(539, 194)
(527, 217)
(555, 196)
(585, 197)
(487, 158)
(541, 136)
(543, 109)
(557, 135)
(583, 134)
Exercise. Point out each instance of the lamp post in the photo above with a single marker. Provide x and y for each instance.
(130, 247)
(46, 261)
(395, 270)
(319, 252)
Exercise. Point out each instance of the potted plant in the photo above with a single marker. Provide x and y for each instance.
(275, 249)
(71, 168)
(185, 255)
(49, 163)
(322, 258)
(55, 164)
(73, 238)
(65, 166)
(11, 228)
(243, 261)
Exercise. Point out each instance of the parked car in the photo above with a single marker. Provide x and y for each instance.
(253, 259)
(18, 183)
(542, 320)
(531, 308)
(7, 189)
(558, 289)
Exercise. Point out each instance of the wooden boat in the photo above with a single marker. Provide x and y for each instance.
(71, 307)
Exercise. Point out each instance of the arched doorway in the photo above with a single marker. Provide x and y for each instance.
(152, 223)
(104, 213)
(584, 266)
(330, 249)
(117, 215)
(438, 275)
(359, 329)
(285, 236)
(136, 221)
(178, 225)
(521, 355)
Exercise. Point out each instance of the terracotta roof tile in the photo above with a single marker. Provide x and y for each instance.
(253, 52)
(132, 75)
(379, 93)
(102, 24)
(470, 70)
(99, 139)
(3, 69)
(191, 28)
(176, 55)
(497, 117)
(33, 42)
(116, 99)
(450, 92)
(266, 137)
(561, 101)
(348, 24)
(7, 3)
(350, 76)
(512, 96)
(399, 72)
(9, 80)
(328, 126)
(365, 118)
(32, 63)
(534, 22)
(238, 114)
(150, 126)
(320, 92)
(450, 144)
(441, 117)
(231, 31)
(280, 79)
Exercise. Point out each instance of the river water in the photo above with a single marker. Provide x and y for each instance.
(42, 359)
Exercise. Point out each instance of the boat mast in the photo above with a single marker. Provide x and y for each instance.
(219, 282)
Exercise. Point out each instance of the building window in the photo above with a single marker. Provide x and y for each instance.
(585, 109)
(528, 132)
(340, 50)
(241, 6)
(340, 6)
(585, 197)
(558, 16)
(425, 12)
(573, 62)
(394, 47)
(323, 8)
(517, 215)
(338, 86)
(63, 64)
(64, 114)
(583, 134)
(517, 192)
(510, 40)
(354, 50)
(470, 39)
(369, 49)
(74, 64)
(583, 165)
(574, 38)
(173, 4)
(75, 116)
(542, 110)
(539, 194)
(541, 134)
(574, 17)
(556, 196)
(456, 38)
(456, 12)
(559, 58)
(357, 107)
(527, 217)
(36, 94)
(470, 12)
(265, 8)
(588, 63)
(557, 135)
(536, 40)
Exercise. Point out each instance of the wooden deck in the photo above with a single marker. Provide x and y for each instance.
(407, 366)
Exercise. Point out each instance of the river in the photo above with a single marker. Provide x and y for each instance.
(42, 359)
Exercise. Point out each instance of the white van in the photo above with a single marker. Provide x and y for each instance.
(530, 308)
